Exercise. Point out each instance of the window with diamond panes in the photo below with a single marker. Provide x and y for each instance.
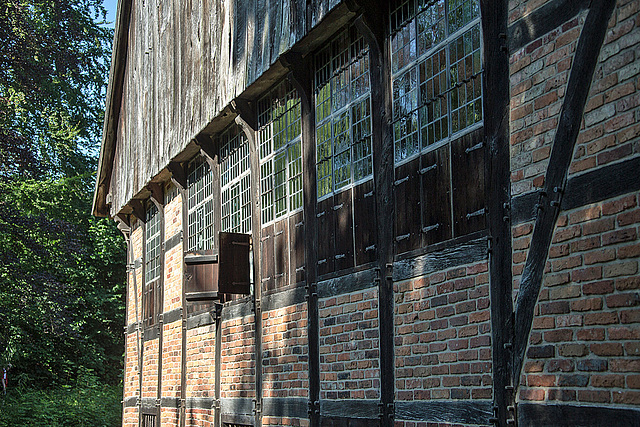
(200, 231)
(344, 158)
(153, 258)
(436, 67)
(343, 113)
(235, 181)
(280, 145)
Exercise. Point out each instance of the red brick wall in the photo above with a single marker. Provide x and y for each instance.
(285, 352)
(171, 359)
(585, 340)
(443, 335)
(201, 361)
(238, 358)
(349, 343)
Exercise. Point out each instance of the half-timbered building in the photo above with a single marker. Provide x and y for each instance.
(377, 213)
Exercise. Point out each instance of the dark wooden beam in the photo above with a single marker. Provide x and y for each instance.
(456, 412)
(301, 77)
(247, 119)
(496, 100)
(207, 147)
(584, 64)
(601, 184)
(383, 172)
(548, 414)
(157, 194)
(178, 174)
(138, 209)
(544, 19)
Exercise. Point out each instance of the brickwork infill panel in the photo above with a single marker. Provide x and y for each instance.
(443, 335)
(130, 417)
(539, 73)
(199, 418)
(611, 122)
(131, 379)
(173, 278)
(294, 422)
(201, 361)
(585, 341)
(134, 303)
(285, 352)
(238, 358)
(169, 416)
(150, 369)
(349, 346)
(173, 217)
(171, 359)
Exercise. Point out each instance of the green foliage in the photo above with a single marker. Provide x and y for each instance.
(53, 69)
(61, 283)
(61, 270)
(85, 404)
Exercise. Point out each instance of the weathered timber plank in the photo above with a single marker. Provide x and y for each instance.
(453, 256)
(434, 411)
(556, 415)
(290, 407)
(584, 64)
(352, 408)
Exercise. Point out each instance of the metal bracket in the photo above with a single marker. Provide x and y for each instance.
(314, 407)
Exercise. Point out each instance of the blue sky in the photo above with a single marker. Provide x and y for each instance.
(111, 6)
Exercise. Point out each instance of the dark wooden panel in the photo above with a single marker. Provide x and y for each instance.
(281, 252)
(463, 412)
(436, 196)
(268, 269)
(555, 415)
(407, 196)
(343, 208)
(364, 215)
(233, 262)
(326, 236)
(468, 182)
(603, 183)
(296, 247)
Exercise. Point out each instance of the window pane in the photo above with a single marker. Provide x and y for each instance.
(431, 26)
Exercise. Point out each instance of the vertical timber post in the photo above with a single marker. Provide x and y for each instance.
(494, 14)
(300, 77)
(247, 120)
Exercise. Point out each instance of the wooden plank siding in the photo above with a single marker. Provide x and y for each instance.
(186, 62)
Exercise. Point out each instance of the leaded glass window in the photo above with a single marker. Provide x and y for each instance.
(200, 206)
(280, 148)
(436, 73)
(343, 113)
(235, 181)
(152, 244)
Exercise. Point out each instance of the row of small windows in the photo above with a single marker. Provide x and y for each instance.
(436, 73)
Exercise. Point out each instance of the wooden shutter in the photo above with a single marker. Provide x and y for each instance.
(343, 209)
(233, 259)
(281, 252)
(407, 198)
(436, 196)
(326, 236)
(468, 172)
(267, 266)
(201, 280)
(364, 213)
(296, 245)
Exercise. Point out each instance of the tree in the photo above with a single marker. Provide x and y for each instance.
(61, 270)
